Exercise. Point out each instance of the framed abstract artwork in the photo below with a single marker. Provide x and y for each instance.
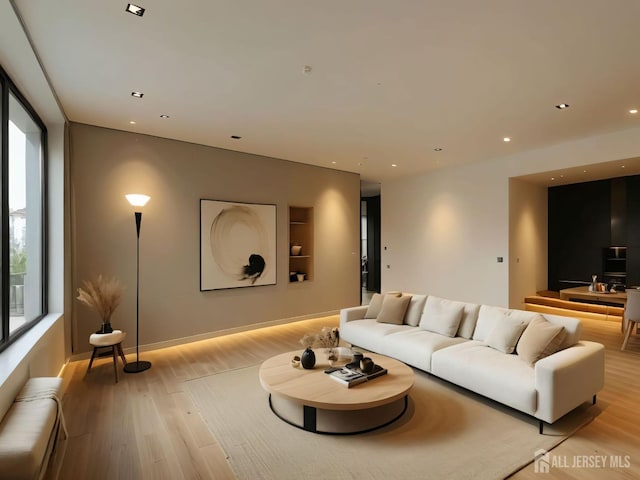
(237, 244)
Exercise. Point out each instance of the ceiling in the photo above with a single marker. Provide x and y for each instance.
(386, 83)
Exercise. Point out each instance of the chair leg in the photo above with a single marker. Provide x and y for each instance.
(93, 355)
(630, 325)
(124, 359)
(114, 349)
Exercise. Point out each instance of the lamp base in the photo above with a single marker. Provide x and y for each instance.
(137, 367)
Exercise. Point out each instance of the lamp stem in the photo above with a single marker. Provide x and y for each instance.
(138, 221)
(138, 366)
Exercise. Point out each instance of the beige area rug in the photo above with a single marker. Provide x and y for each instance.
(446, 432)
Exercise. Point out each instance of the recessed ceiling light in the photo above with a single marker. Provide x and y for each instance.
(553, 178)
(438, 149)
(633, 111)
(562, 106)
(584, 171)
(132, 122)
(164, 116)
(135, 9)
(334, 162)
(622, 166)
(137, 94)
(236, 137)
(394, 165)
(506, 139)
(307, 69)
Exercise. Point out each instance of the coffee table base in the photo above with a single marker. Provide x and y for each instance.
(337, 422)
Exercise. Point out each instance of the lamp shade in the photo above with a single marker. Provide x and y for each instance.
(137, 199)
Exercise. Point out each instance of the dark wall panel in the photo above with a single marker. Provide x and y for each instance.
(579, 228)
(633, 231)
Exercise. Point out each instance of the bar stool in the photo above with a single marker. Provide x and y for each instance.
(108, 340)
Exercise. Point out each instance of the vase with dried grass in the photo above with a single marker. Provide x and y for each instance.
(103, 296)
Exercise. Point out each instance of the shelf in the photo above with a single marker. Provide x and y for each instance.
(297, 223)
(299, 256)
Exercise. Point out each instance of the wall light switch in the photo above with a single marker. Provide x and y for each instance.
(500, 259)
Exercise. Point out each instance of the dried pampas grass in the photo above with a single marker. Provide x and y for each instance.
(102, 295)
(327, 338)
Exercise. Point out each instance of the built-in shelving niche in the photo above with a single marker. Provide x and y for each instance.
(301, 234)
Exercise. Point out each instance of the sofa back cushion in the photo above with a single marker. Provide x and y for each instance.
(415, 309)
(441, 316)
(489, 317)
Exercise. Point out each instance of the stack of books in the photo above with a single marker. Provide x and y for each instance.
(354, 376)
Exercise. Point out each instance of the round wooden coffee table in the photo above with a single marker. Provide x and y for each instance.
(311, 400)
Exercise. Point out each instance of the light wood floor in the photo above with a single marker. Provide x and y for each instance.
(146, 427)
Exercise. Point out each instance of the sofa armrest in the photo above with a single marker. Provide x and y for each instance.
(352, 313)
(568, 378)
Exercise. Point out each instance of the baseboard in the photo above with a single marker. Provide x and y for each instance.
(218, 333)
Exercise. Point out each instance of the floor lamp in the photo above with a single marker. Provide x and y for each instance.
(137, 201)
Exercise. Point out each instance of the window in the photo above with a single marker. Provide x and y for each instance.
(23, 214)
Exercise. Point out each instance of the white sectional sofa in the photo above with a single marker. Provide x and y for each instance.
(531, 362)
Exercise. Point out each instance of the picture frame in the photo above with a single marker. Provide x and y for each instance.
(237, 244)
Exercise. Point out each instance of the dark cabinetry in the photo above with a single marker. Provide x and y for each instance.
(594, 229)
(633, 231)
(579, 228)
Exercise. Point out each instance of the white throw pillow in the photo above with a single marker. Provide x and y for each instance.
(393, 309)
(505, 334)
(489, 317)
(469, 319)
(415, 309)
(441, 316)
(540, 339)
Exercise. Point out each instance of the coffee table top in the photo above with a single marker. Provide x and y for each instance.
(314, 388)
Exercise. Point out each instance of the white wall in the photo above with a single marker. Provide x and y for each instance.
(442, 234)
(444, 230)
(107, 164)
(528, 240)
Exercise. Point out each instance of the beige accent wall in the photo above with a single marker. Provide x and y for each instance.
(107, 164)
(528, 240)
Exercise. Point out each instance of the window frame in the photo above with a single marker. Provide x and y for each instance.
(7, 87)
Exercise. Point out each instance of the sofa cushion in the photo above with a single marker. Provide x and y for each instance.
(505, 334)
(375, 305)
(415, 346)
(369, 334)
(469, 319)
(393, 309)
(484, 370)
(540, 339)
(489, 316)
(441, 316)
(414, 310)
